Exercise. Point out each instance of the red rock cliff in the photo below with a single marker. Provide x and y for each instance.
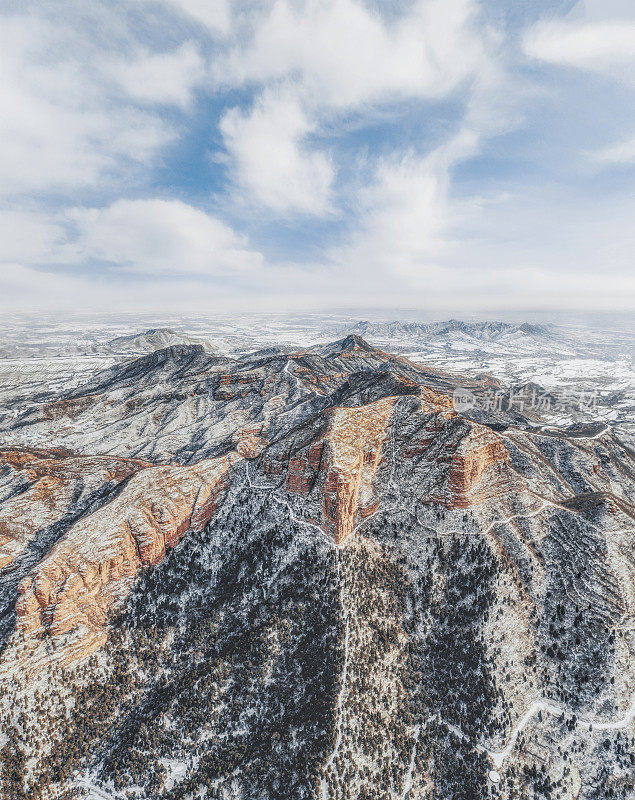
(92, 568)
(478, 468)
(55, 481)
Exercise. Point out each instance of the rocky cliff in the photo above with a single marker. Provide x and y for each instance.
(92, 566)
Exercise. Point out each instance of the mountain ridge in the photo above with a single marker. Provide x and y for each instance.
(486, 330)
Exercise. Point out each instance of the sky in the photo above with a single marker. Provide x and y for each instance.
(230, 155)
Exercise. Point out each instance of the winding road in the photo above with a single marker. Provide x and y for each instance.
(499, 757)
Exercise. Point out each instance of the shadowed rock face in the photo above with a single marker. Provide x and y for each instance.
(478, 468)
(45, 493)
(308, 576)
(339, 466)
(470, 462)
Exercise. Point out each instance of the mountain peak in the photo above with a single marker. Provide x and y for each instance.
(484, 330)
(155, 339)
(355, 342)
(287, 544)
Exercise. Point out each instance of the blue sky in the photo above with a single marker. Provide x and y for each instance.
(220, 155)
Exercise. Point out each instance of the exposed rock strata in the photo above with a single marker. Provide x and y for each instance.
(44, 487)
(93, 566)
(476, 467)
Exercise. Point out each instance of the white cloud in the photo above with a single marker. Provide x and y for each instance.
(622, 152)
(417, 239)
(84, 108)
(598, 37)
(405, 213)
(604, 46)
(24, 287)
(340, 53)
(272, 166)
(403, 216)
(314, 60)
(161, 237)
(28, 236)
(163, 78)
(59, 128)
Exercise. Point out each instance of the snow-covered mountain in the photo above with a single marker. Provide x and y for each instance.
(120, 346)
(306, 574)
(486, 330)
(559, 360)
(151, 340)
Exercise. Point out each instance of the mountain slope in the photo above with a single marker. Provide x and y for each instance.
(334, 587)
(153, 339)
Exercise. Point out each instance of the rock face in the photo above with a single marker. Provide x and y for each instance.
(185, 404)
(305, 575)
(357, 437)
(338, 467)
(478, 469)
(93, 566)
(45, 492)
(42, 487)
(339, 463)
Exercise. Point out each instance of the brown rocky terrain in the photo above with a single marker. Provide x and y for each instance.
(91, 568)
(306, 575)
(43, 485)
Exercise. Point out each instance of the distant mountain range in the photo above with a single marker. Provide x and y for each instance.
(129, 345)
(487, 330)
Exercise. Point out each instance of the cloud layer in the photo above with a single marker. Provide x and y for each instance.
(316, 152)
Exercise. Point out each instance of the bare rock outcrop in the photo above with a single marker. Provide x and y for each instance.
(45, 486)
(461, 463)
(356, 439)
(92, 568)
(477, 469)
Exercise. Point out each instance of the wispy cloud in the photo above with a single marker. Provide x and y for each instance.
(63, 126)
(270, 164)
(429, 149)
(622, 152)
(167, 78)
(215, 15)
(165, 237)
(606, 47)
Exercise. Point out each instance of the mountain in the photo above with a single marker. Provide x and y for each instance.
(153, 339)
(130, 345)
(185, 403)
(306, 575)
(487, 331)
